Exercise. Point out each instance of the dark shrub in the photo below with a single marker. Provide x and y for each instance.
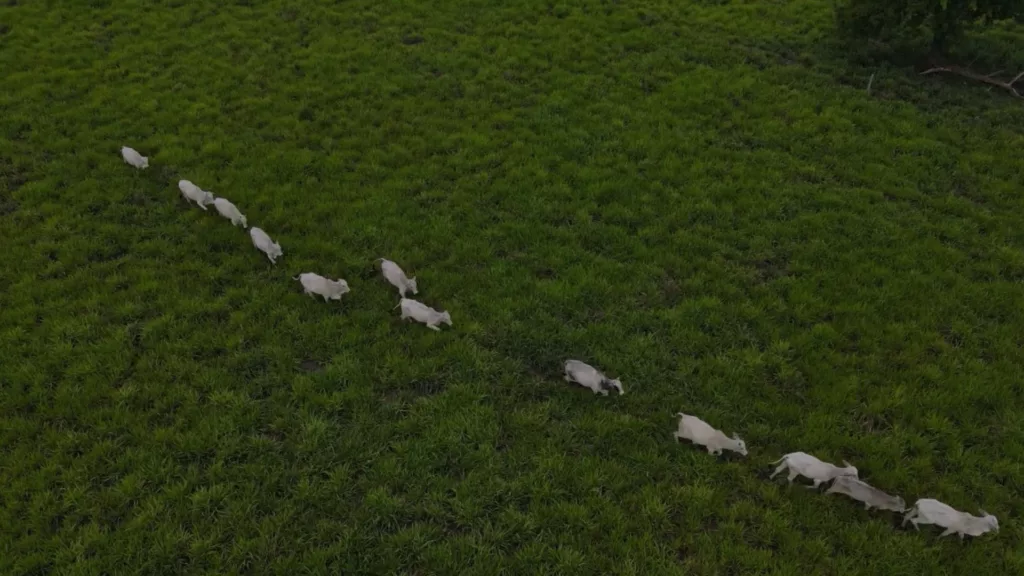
(938, 22)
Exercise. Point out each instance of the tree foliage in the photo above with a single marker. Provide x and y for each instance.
(940, 22)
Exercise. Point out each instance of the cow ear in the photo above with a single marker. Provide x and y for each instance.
(983, 513)
(847, 464)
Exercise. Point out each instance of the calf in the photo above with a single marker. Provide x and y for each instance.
(589, 377)
(397, 277)
(699, 432)
(802, 464)
(194, 193)
(230, 211)
(132, 156)
(420, 312)
(317, 284)
(929, 511)
(863, 492)
(264, 244)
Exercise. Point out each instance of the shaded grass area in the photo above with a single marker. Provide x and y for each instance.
(699, 198)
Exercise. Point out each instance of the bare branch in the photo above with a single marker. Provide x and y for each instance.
(978, 77)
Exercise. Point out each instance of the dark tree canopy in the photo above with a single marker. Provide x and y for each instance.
(942, 22)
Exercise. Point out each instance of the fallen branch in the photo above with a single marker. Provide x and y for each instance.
(979, 77)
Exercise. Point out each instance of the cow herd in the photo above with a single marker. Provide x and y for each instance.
(844, 480)
(312, 284)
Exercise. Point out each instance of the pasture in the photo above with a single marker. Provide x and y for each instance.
(699, 198)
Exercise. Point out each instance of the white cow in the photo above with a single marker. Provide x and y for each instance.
(586, 375)
(317, 284)
(194, 193)
(132, 156)
(929, 511)
(699, 432)
(420, 312)
(264, 244)
(396, 276)
(863, 492)
(803, 464)
(230, 211)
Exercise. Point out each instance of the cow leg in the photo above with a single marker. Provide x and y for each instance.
(909, 516)
(947, 532)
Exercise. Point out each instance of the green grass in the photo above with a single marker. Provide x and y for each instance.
(699, 198)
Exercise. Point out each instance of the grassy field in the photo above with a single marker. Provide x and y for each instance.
(700, 198)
